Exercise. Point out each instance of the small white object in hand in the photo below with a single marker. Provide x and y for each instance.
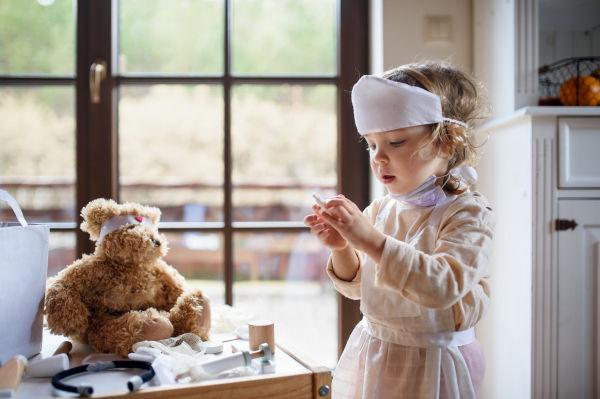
(320, 200)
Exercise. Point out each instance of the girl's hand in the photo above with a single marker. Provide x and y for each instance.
(353, 226)
(319, 228)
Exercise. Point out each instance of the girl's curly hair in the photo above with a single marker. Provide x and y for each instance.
(462, 99)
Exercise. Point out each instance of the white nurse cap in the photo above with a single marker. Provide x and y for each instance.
(382, 104)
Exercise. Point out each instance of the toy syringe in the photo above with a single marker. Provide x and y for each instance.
(320, 201)
(239, 359)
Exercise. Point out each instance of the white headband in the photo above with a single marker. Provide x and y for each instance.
(117, 222)
(382, 104)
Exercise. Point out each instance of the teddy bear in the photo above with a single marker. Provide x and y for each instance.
(124, 292)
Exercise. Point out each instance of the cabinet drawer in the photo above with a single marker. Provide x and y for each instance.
(579, 152)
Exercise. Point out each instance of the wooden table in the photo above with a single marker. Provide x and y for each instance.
(296, 377)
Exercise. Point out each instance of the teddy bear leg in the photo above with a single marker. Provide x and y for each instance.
(119, 334)
(191, 314)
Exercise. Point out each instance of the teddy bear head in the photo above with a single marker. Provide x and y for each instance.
(126, 233)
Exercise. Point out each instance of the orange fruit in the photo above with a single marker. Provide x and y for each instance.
(589, 91)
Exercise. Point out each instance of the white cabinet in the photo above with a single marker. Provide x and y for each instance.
(540, 336)
(579, 152)
(578, 301)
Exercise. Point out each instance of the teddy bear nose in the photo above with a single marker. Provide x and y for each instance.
(155, 242)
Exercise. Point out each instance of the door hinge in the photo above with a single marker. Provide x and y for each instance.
(564, 224)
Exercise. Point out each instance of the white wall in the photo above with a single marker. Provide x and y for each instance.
(494, 52)
(404, 32)
(505, 331)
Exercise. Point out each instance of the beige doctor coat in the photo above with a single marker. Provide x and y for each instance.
(431, 279)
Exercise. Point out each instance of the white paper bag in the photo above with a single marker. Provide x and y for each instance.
(23, 269)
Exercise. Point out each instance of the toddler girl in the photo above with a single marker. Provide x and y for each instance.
(418, 257)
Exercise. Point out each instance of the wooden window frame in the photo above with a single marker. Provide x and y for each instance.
(97, 140)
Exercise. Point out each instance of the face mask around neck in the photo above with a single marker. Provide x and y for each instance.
(429, 194)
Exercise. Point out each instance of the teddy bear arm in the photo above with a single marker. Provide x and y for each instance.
(173, 284)
(67, 314)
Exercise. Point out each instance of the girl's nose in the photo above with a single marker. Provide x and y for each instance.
(379, 156)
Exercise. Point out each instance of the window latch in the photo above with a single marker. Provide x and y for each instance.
(97, 75)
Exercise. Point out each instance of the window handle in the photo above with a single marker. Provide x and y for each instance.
(97, 75)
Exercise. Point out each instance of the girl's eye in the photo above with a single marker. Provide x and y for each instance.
(397, 143)
(370, 147)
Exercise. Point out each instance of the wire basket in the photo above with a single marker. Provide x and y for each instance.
(572, 81)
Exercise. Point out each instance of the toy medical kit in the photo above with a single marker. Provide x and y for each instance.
(213, 347)
(238, 359)
(65, 347)
(48, 367)
(10, 376)
(319, 200)
(133, 384)
(261, 331)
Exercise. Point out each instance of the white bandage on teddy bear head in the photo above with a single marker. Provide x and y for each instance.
(116, 223)
(381, 105)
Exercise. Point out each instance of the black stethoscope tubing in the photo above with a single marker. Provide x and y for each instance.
(88, 390)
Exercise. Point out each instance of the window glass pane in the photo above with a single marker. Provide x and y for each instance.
(62, 251)
(37, 151)
(199, 258)
(284, 142)
(277, 37)
(37, 36)
(171, 150)
(282, 277)
(171, 37)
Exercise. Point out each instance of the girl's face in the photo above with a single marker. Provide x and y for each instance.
(397, 161)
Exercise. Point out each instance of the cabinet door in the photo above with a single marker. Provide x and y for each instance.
(578, 161)
(578, 300)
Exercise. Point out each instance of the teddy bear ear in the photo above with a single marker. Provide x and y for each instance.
(153, 213)
(96, 213)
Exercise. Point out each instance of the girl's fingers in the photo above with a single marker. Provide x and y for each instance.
(337, 213)
(343, 213)
(324, 235)
(318, 228)
(340, 202)
(310, 220)
(332, 220)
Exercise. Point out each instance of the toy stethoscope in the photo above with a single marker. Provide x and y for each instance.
(133, 384)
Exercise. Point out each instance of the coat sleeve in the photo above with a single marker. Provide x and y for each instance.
(457, 268)
(350, 289)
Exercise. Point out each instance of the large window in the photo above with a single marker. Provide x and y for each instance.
(225, 114)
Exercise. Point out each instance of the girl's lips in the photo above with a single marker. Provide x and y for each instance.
(387, 179)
